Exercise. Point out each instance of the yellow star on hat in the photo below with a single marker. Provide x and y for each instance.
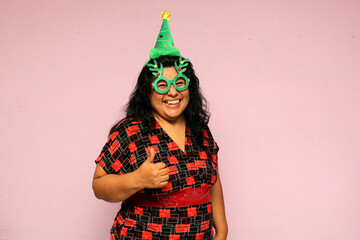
(165, 15)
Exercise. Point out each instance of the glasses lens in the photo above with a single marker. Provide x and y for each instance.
(180, 83)
(162, 85)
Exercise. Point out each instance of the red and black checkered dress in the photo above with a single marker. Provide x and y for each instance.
(128, 147)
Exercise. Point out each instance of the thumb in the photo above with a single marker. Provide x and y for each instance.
(151, 157)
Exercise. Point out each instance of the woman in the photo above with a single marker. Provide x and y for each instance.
(161, 160)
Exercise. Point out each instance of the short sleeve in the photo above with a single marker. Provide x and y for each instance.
(210, 141)
(216, 147)
(113, 158)
(211, 146)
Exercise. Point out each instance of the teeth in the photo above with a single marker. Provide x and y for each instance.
(172, 102)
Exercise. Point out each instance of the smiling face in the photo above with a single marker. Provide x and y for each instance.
(171, 105)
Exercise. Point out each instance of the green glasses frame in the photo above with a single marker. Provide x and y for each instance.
(154, 68)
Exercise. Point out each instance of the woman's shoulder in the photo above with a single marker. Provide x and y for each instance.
(206, 131)
(126, 124)
(208, 138)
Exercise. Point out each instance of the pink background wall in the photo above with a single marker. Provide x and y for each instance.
(282, 78)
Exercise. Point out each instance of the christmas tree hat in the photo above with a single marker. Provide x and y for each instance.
(164, 43)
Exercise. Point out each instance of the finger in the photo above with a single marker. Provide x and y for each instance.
(164, 171)
(163, 184)
(160, 165)
(151, 156)
(164, 178)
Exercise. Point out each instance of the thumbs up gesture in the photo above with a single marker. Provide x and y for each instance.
(153, 175)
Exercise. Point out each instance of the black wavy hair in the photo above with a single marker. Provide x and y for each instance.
(139, 106)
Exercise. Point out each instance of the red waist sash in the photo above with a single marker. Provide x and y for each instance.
(185, 197)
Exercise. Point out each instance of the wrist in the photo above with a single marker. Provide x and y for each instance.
(137, 180)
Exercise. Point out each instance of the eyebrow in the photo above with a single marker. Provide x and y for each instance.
(173, 78)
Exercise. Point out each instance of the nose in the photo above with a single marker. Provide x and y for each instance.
(172, 91)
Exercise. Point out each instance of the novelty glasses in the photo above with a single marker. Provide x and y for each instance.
(162, 84)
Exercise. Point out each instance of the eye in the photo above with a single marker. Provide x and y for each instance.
(180, 82)
(161, 85)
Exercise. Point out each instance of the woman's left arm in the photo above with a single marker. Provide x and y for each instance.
(217, 199)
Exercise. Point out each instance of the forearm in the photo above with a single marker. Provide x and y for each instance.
(116, 188)
(219, 210)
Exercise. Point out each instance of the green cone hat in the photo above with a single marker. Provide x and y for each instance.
(164, 43)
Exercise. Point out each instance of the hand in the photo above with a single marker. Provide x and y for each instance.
(152, 175)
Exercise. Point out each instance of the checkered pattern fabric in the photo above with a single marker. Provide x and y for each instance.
(128, 147)
(134, 222)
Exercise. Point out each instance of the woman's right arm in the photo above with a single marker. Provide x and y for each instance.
(117, 188)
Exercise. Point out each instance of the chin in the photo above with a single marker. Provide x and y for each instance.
(171, 117)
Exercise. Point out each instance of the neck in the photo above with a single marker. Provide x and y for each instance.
(180, 121)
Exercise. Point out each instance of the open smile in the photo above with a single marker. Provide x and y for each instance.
(173, 102)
